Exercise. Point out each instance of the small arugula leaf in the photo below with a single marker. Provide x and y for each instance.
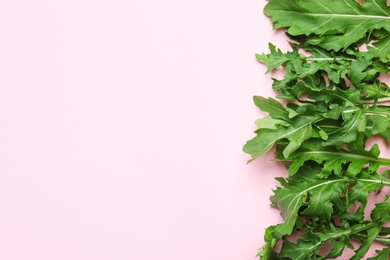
(381, 212)
(357, 70)
(355, 124)
(270, 123)
(267, 251)
(382, 49)
(302, 250)
(365, 183)
(378, 118)
(338, 247)
(365, 246)
(378, 124)
(272, 106)
(276, 58)
(382, 255)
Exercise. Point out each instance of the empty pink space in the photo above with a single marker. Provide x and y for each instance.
(122, 124)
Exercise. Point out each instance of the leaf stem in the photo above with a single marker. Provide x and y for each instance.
(328, 59)
(372, 101)
(386, 183)
(382, 240)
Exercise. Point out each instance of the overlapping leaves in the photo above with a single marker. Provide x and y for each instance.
(313, 204)
(333, 104)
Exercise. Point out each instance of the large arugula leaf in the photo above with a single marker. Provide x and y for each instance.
(309, 191)
(299, 131)
(334, 160)
(340, 23)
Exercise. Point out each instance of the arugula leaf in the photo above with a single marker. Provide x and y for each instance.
(299, 131)
(272, 106)
(277, 58)
(365, 246)
(270, 123)
(267, 251)
(340, 23)
(313, 193)
(382, 49)
(333, 159)
(303, 250)
(382, 255)
(381, 212)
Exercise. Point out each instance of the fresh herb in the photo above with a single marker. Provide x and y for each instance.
(332, 102)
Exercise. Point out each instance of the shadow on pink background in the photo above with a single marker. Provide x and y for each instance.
(122, 125)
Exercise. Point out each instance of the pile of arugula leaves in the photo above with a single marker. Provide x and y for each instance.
(332, 101)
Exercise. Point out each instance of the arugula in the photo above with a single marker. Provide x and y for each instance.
(333, 102)
(333, 25)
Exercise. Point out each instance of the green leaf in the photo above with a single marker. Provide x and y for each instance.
(354, 124)
(272, 106)
(347, 97)
(276, 58)
(294, 194)
(363, 249)
(338, 247)
(339, 23)
(378, 119)
(357, 70)
(382, 255)
(364, 184)
(382, 49)
(303, 250)
(381, 212)
(266, 138)
(267, 251)
(270, 123)
(323, 197)
(334, 159)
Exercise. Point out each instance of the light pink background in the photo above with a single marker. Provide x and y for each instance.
(122, 124)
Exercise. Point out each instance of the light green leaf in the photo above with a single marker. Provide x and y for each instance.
(272, 106)
(270, 123)
(266, 138)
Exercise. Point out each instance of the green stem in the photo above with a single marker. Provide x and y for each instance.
(348, 232)
(328, 59)
(386, 183)
(372, 101)
(382, 240)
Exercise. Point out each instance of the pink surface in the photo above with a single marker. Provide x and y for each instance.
(122, 124)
